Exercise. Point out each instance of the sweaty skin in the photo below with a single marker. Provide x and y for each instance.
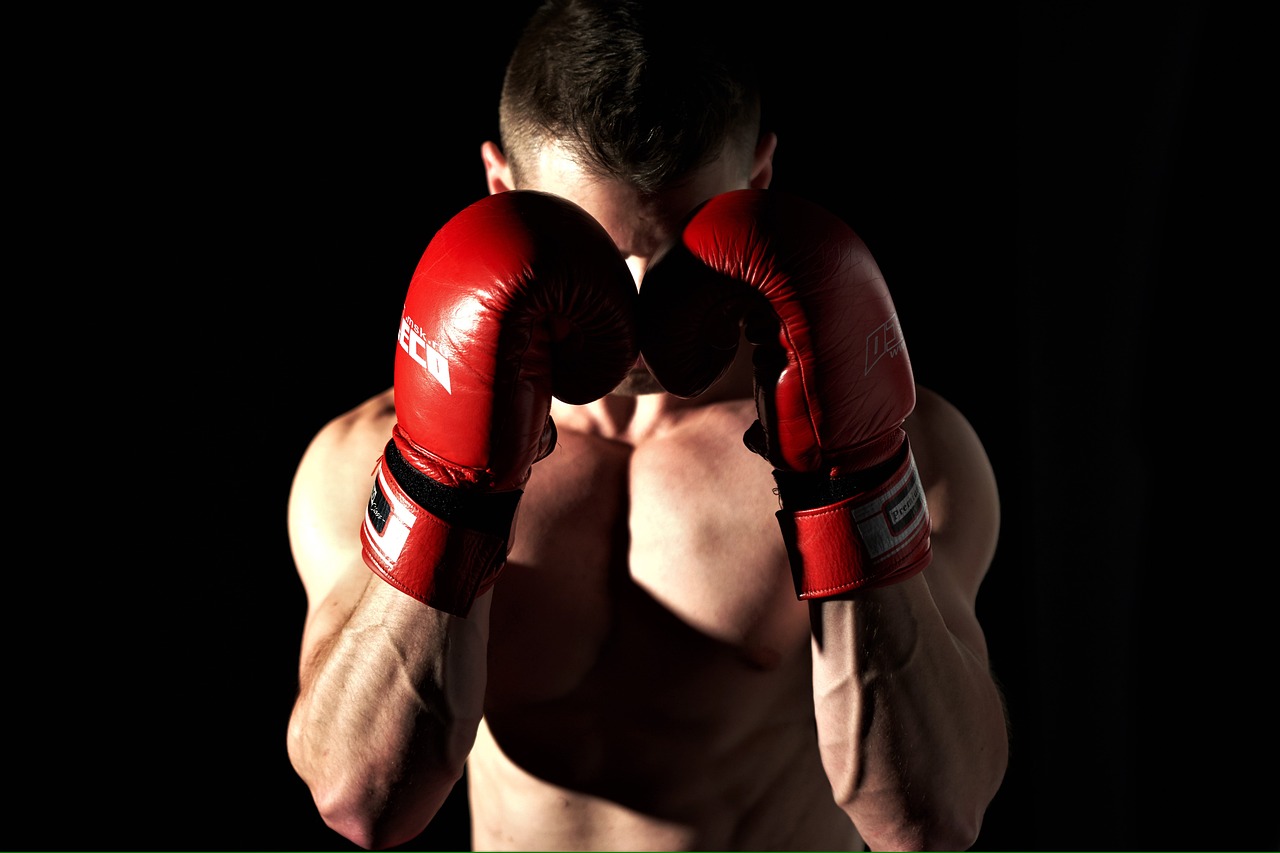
(642, 676)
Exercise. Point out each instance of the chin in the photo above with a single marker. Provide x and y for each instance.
(638, 381)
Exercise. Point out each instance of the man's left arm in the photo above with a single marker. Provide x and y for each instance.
(911, 722)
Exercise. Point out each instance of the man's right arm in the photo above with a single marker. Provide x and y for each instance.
(391, 690)
(519, 297)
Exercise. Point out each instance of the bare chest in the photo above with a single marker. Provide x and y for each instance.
(663, 559)
(646, 582)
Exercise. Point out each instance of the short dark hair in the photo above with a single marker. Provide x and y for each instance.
(638, 90)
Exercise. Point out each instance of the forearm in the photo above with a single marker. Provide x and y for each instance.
(387, 713)
(910, 721)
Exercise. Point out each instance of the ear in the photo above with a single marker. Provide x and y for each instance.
(497, 173)
(762, 162)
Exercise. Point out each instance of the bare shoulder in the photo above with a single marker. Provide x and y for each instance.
(960, 488)
(353, 431)
(330, 491)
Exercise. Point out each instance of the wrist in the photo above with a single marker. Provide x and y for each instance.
(481, 510)
(854, 531)
(440, 545)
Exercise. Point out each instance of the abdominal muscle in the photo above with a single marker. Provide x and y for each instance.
(649, 673)
(755, 803)
(650, 788)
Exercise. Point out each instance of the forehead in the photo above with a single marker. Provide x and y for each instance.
(638, 224)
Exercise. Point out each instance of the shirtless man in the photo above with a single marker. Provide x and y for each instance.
(673, 644)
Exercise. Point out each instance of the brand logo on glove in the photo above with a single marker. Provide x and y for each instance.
(903, 507)
(379, 508)
(387, 521)
(412, 342)
(886, 340)
(894, 515)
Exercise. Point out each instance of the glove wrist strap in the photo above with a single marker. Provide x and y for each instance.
(475, 509)
(431, 542)
(876, 536)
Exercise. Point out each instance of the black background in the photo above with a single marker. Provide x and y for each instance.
(1052, 192)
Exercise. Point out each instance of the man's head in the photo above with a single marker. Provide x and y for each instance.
(640, 92)
(640, 95)
(636, 110)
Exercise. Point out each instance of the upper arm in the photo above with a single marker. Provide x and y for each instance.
(964, 509)
(326, 507)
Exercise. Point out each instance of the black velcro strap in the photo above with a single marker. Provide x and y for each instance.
(801, 490)
(486, 512)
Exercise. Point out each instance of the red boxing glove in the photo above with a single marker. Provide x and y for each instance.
(520, 297)
(833, 381)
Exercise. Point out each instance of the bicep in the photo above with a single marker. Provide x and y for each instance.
(327, 501)
(964, 508)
